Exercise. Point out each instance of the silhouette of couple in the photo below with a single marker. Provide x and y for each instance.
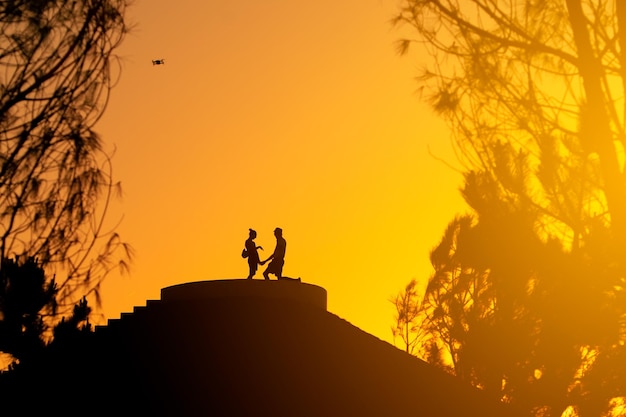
(277, 258)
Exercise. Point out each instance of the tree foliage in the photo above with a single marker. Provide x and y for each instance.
(406, 327)
(27, 298)
(527, 297)
(55, 176)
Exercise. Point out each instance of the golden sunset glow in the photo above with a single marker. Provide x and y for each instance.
(299, 115)
(376, 204)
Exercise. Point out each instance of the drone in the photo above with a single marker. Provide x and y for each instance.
(158, 62)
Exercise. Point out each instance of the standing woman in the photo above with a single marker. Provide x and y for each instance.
(251, 253)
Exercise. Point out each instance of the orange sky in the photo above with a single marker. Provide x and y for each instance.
(276, 113)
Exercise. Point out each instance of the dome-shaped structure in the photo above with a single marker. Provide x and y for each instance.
(243, 288)
(239, 348)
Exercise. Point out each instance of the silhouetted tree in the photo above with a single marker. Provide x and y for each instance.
(500, 307)
(55, 177)
(408, 309)
(27, 297)
(527, 298)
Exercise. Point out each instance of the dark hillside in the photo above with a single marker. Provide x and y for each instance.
(254, 355)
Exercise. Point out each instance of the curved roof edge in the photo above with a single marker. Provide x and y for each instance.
(227, 288)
